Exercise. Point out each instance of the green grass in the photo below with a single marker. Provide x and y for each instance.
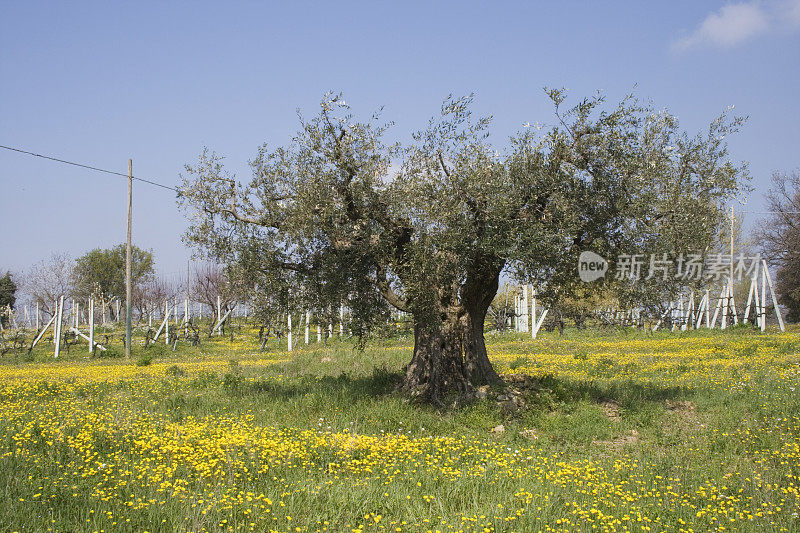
(620, 429)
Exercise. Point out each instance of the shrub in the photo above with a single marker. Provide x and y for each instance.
(111, 352)
(175, 371)
(144, 360)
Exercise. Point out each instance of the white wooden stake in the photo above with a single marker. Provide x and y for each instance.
(700, 309)
(718, 309)
(733, 305)
(91, 326)
(533, 313)
(525, 328)
(756, 303)
(289, 326)
(725, 306)
(38, 337)
(161, 327)
(308, 318)
(218, 326)
(77, 332)
(663, 316)
(341, 320)
(58, 326)
(166, 322)
(749, 301)
(539, 323)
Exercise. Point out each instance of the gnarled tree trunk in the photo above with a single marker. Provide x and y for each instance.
(450, 353)
(480, 369)
(477, 295)
(437, 366)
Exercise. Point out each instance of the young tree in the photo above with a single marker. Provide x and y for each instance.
(779, 236)
(211, 286)
(101, 272)
(149, 296)
(8, 295)
(48, 280)
(326, 214)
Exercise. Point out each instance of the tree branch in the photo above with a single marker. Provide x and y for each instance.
(385, 288)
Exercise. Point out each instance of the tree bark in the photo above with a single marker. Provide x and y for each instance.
(479, 368)
(437, 367)
(450, 353)
(477, 295)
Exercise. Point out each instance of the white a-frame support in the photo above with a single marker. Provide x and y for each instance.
(774, 297)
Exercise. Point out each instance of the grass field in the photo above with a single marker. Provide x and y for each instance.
(616, 431)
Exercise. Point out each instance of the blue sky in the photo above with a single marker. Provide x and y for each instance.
(99, 82)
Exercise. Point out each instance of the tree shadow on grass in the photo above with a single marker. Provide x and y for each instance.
(381, 383)
(627, 392)
(541, 392)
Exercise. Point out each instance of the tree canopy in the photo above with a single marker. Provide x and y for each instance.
(338, 215)
(48, 280)
(101, 272)
(779, 237)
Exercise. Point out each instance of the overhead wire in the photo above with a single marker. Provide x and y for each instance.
(90, 167)
(151, 182)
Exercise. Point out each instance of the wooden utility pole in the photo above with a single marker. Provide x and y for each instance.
(128, 288)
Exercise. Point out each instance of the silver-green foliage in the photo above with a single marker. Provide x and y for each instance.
(339, 215)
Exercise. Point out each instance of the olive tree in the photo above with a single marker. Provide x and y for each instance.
(338, 215)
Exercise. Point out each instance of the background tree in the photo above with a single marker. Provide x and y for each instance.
(501, 311)
(48, 280)
(779, 238)
(149, 296)
(8, 295)
(433, 240)
(100, 274)
(788, 279)
(267, 297)
(210, 283)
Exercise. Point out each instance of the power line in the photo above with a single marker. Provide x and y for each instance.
(771, 212)
(87, 166)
